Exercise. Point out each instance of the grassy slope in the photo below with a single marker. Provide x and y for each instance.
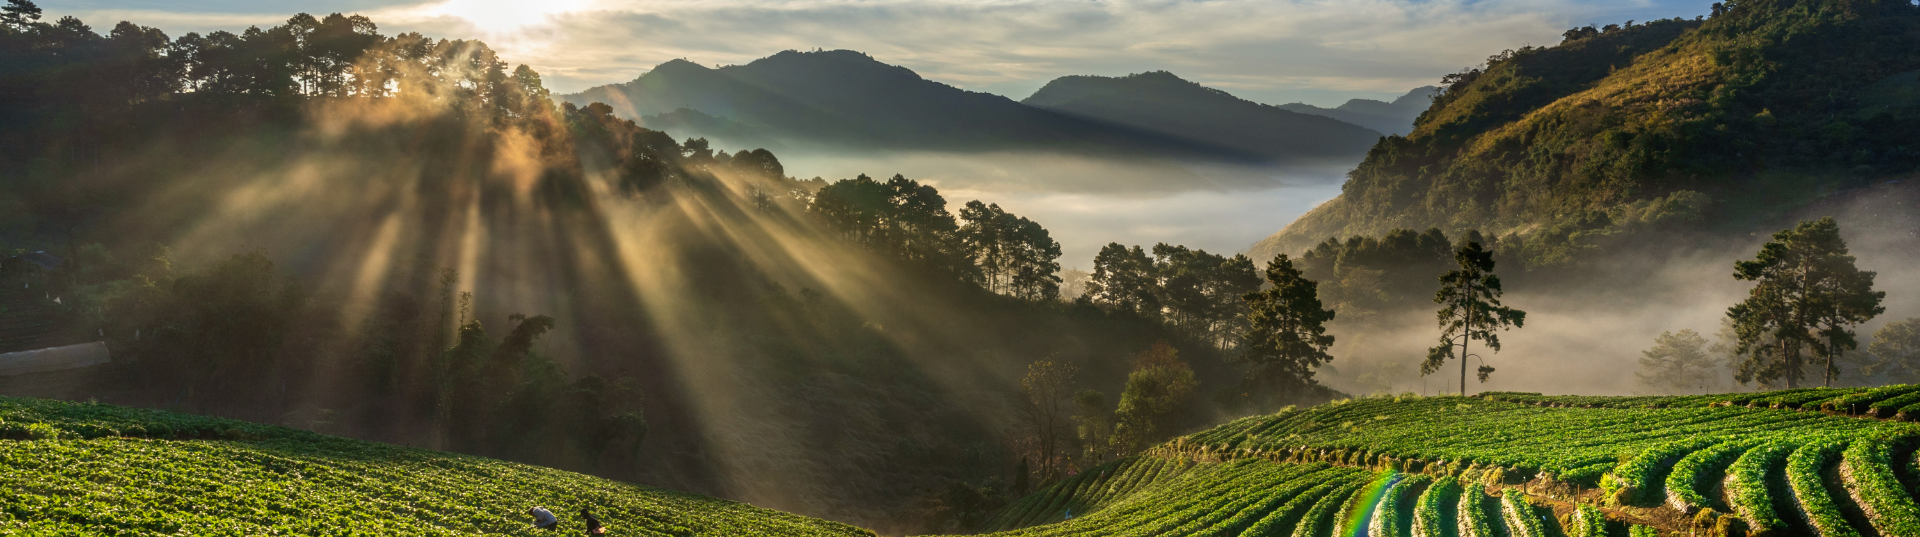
(1561, 449)
(1550, 134)
(86, 469)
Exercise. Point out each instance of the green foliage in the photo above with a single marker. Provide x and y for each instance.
(1588, 522)
(1521, 517)
(1807, 292)
(1480, 514)
(1435, 512)
(1015, 255)
(1470, 309)
(1814, 499)
(1365, 275)
(1895, 351)
(1678, 363)
(177, 473)
(1663, 447)
(1693, 476)
(1394, 516)
(1286, 337)
(1160, 385)
(1324, 516)
(1638, 480)
(1867, 469)
(1752, 482)
(1201, 293)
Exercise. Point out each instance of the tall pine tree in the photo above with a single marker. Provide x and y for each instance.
(1470, 309)
(1286, 334)
(1807, 295)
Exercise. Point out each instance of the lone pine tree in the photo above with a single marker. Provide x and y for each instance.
(1470, 309)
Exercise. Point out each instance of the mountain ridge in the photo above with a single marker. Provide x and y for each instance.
(1165, 102)
(846, 99)
(1394, 117)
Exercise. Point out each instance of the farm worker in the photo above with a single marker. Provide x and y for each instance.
(593, 524)
(542, 518)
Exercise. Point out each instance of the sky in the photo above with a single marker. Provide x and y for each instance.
(1321, 52)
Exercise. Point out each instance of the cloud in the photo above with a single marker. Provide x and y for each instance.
(1265, 50)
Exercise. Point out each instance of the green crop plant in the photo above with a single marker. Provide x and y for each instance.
(1521, 518)
(1394, 516)
(1433, 513)
(1587, 522)
(1749, 484)
(1866, 469)
(1697, 472)
(1479, 514)
(1816, 504)
(1639, 480)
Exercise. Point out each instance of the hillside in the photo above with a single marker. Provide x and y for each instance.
(1770, 103)
(1161, 102)
(1388, 117)
(76, 468)
(845, 100)
(1793, 462)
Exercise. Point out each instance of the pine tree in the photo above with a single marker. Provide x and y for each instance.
(1470, 309)
(1286, 334)
(1807, 295)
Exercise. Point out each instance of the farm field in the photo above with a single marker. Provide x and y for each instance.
(86, 469)
(1830, 462)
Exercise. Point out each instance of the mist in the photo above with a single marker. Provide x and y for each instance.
(1586, 337)
(1088, 202)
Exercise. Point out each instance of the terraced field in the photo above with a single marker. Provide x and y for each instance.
(82, 469)
(1827, 462)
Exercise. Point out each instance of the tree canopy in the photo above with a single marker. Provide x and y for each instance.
(1807, 294)
(1286, 335)
(1470, 309)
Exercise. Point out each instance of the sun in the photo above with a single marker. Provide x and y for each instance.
(506, 16)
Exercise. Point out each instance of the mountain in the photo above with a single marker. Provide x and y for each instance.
(844, 99)
(1727, 123)
(1389, 117)
(1161, 102)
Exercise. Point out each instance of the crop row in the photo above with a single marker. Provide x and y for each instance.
(1433, 513)
(1479, 514)
(123, 486)
(1394, 516)
(1882, 402)
(1812, 498)
(1638, 481)
(1867, 471)
(1522, 519)
(1455, 433)
(1750, 482)
(1694, 475)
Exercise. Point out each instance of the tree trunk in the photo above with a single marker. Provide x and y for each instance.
(1787, 355)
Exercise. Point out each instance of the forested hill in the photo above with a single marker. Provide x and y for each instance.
(1161, 102)
(845, 100)
(1749, 113)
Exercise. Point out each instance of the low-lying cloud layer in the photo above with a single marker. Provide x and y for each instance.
(1320, 51)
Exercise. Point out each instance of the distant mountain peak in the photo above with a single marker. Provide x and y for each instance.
(679, 63)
